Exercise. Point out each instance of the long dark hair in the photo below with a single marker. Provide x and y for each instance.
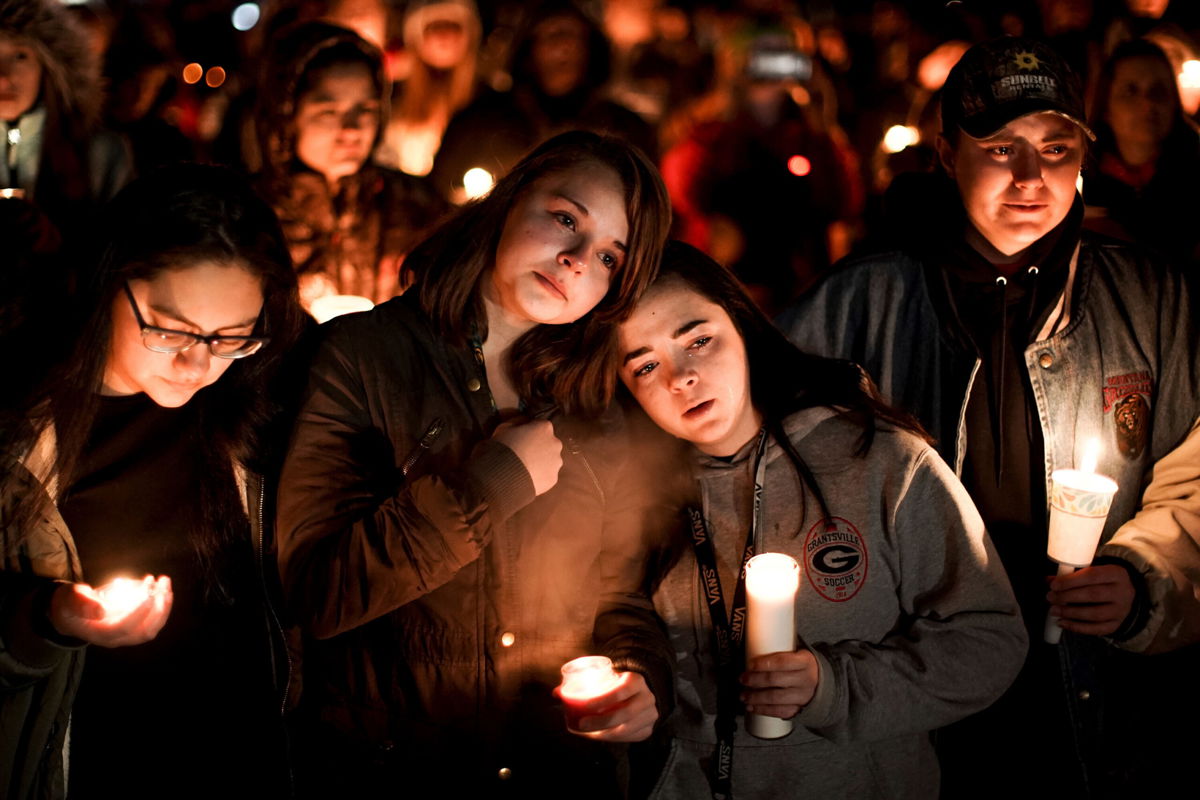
(172, 219)
(549, 363)
(783, 378)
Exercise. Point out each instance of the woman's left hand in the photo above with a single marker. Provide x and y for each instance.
(780, 684)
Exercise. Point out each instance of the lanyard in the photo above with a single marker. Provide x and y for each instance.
(728, 635)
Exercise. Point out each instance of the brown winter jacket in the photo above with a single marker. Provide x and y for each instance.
(440, 605)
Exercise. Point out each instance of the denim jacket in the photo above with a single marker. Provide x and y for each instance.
(1120, 363)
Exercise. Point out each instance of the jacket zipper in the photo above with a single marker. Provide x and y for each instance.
(960, 435)
(260, 556)
(274, 618)
(423, 444)
(575, 450)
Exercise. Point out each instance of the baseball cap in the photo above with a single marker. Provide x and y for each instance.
(998, 81)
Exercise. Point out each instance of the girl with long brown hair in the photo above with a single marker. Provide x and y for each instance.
(444, 531)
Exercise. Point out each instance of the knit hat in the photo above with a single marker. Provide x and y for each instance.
(999, 81)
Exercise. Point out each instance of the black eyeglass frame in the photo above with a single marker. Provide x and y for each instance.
(193, 338)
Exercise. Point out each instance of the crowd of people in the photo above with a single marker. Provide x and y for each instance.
(645, 290)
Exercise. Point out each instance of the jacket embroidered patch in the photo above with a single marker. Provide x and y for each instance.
(1128, 397)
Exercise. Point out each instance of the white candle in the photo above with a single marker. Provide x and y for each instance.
(583, 680)
(772, 580)
(1079, 503)
(120, 596)
(328, 306)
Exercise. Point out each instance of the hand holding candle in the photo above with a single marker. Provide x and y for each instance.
(1079, 502)
(120, 613)
(1094, 600)
(780, 684)
(604, 704)
(772, 580)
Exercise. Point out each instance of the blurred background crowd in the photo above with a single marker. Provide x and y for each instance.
(779, 126)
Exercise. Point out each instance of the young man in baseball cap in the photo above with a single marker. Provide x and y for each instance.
(1016, 337)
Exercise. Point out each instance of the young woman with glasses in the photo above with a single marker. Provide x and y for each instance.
(130, 466)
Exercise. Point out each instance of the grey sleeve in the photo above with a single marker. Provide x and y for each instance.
(959, 641)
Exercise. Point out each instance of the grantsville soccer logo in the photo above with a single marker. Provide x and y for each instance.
(835, 556)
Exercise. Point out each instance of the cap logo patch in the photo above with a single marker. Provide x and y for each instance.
(1011, 86)
(1026, 60)
(836, 559)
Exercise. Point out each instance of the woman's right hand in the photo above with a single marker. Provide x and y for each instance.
(537, 447)
(76, 610)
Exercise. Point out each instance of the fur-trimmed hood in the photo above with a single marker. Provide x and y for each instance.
(71, 86)
(283, 68)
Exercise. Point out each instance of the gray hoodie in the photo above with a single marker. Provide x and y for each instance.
(914, 624)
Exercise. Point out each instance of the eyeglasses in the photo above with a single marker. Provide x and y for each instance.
(165, 340)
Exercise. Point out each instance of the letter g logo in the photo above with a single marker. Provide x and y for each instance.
(836, 559)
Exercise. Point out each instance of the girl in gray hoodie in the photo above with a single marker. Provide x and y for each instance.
(905, 619)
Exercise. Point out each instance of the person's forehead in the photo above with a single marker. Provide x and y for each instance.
(1144, 67)
(1039, 126)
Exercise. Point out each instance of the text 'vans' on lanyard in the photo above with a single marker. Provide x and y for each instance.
(728, 635)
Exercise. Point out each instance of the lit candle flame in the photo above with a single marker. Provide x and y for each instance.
(588, 677)
(328, 306)
(120, 596)
(1189, 76)
(1091, 455)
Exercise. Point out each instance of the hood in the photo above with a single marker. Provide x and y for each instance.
(286, 62)
(599, 66)
(71, 88)
(796, 427)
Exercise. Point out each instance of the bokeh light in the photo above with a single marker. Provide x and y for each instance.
(477, 182)
(899, 137)
(799, 166)
(246, 16)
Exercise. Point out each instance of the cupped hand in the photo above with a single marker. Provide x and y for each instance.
(780, 684)
(76, 610)
(537, 447)
(626, 713)
(1094, 600)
